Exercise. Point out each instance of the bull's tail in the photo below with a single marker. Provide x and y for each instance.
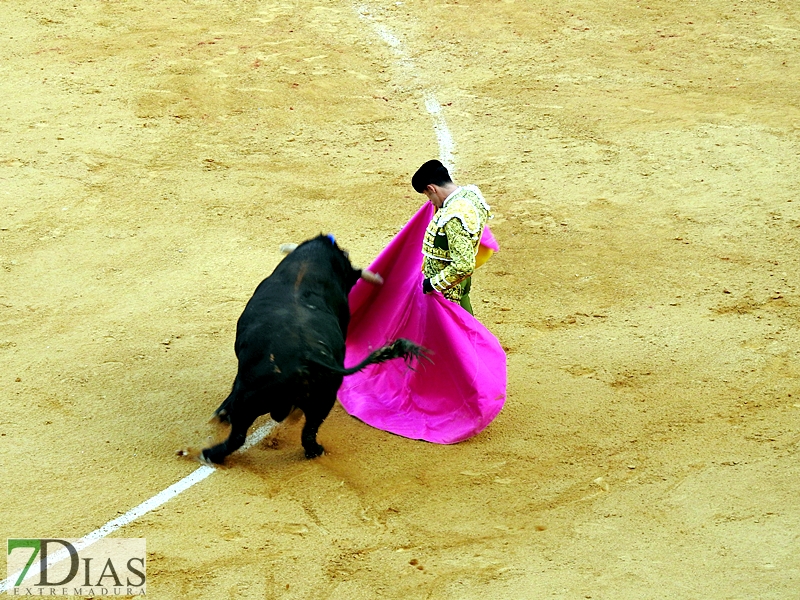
(400, 348)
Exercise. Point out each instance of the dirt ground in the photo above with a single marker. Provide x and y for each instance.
(642, 161)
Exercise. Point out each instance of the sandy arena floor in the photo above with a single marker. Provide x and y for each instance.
(642, 161)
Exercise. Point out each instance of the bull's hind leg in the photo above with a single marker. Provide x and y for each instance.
(240, 423)
(316, 412)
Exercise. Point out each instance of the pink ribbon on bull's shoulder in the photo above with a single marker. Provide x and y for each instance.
(445, 401)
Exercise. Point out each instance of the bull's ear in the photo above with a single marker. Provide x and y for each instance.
(288, 248)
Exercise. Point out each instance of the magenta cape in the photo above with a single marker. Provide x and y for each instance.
(446, 401)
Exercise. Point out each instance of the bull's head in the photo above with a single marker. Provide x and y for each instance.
(365, 274)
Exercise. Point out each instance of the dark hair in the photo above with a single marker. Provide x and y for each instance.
(432, 172)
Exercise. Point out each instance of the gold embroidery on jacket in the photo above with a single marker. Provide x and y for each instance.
(451, 241)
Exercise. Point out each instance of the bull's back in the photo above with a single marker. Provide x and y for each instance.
(282, 331)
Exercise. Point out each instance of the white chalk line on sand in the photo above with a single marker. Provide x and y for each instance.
(145, 507)
(443, 136)
(446, 152)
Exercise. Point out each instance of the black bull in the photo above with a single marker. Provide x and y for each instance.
(290, 344)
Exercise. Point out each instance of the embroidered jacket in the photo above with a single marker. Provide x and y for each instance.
(451, 240)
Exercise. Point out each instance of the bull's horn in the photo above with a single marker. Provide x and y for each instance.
(288, 248)
(371, 277)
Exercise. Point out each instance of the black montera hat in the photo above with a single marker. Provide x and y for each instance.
(432, 172)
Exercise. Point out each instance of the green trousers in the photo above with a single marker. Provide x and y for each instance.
(465, 302)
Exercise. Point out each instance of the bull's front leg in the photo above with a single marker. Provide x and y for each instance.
(319, 408)
(240, 423)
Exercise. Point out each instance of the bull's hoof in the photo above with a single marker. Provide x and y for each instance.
(210, 458)
(314, 451)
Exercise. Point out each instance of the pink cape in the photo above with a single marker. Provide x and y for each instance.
(446, 401)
